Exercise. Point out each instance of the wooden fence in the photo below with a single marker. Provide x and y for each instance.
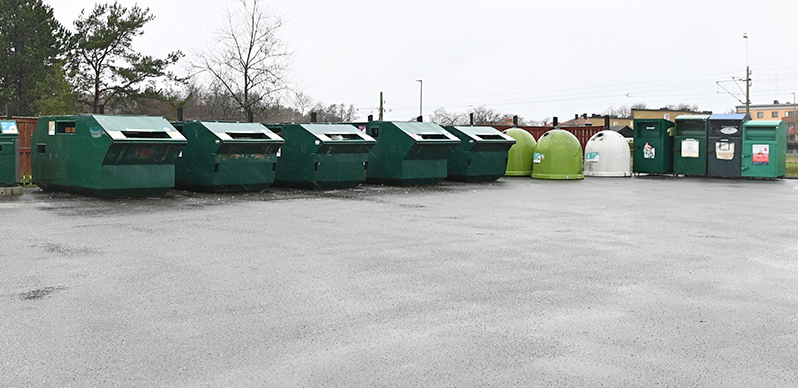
(26, 125)
(582, 133)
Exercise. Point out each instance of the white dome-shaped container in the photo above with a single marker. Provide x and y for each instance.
(607, 154)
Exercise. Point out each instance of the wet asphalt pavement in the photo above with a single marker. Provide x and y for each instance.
(602, 282)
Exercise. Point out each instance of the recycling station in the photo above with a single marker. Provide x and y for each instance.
(481, 155)
(408, 153)
(226, 156)
(653, 146)
(519, 157)
(690, 145)
(9, 158)
(725, 139)
(105, 156)
(558, 155)
(607, 155)
(764, 153)
(322, 156)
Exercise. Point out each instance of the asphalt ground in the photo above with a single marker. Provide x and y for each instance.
(603, 282)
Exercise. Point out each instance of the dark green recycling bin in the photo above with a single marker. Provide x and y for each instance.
(322, 156)
(408, 153)
(653, 146)
(481, 155)
(764, 149)
(724, 152)
(9, 154)
(105, 156)
(690, 145)
(226, 156)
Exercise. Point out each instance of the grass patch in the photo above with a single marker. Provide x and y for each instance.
(792, 165)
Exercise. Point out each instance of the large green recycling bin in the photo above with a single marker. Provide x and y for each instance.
(481, 155)
(519, 158)
(558, 155)
(105, 156)
(764, 149)
(322, 156)
(9, 154)
(226, 156)
(653, 146)
(408, 153)
(690, 145)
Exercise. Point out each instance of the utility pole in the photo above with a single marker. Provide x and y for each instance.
(420, 98)
(381, 106)
(794, 116)
(747, 78)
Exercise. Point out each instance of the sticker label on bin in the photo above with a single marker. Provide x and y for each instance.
(592, 157)
(689, 148)
(761, 154)
(9, 127)
(724, 150)
(538, 157)
(649, 152)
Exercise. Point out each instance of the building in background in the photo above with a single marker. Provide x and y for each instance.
(774, 111)
(664, 113)
(596, 120)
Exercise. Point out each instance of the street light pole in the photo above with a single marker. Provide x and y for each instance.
(420, 98)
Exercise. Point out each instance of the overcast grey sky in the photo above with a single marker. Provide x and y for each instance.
(533, 58)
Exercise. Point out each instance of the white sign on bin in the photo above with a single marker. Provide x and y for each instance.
(689, 148)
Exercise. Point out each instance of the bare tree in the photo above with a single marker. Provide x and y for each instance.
(486, 116)
(334, 113)
(624, 111)
(248, 61)
(482, 116)
(683, 107)
(302, 102)
(441, 117)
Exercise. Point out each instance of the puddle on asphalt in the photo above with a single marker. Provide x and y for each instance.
(40, 293)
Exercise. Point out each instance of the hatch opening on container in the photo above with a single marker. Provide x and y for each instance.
(488, 136)
(343, 136)
(145, 135)
(65, 127)
(247, 135)
(433, 136)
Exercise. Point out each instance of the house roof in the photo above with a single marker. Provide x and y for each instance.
(579, 122)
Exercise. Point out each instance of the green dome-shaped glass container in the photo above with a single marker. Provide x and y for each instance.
(519, 158)
(558, 155)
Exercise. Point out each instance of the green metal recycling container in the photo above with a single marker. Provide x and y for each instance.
(764, 149)
(105, 156)
(9, 154)
(653, 146)
(481, 155)
(724, 153)
(322, 156)
(690, 145)
(519, 158)
(558, 155)
(408, 153)
(226, 156)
